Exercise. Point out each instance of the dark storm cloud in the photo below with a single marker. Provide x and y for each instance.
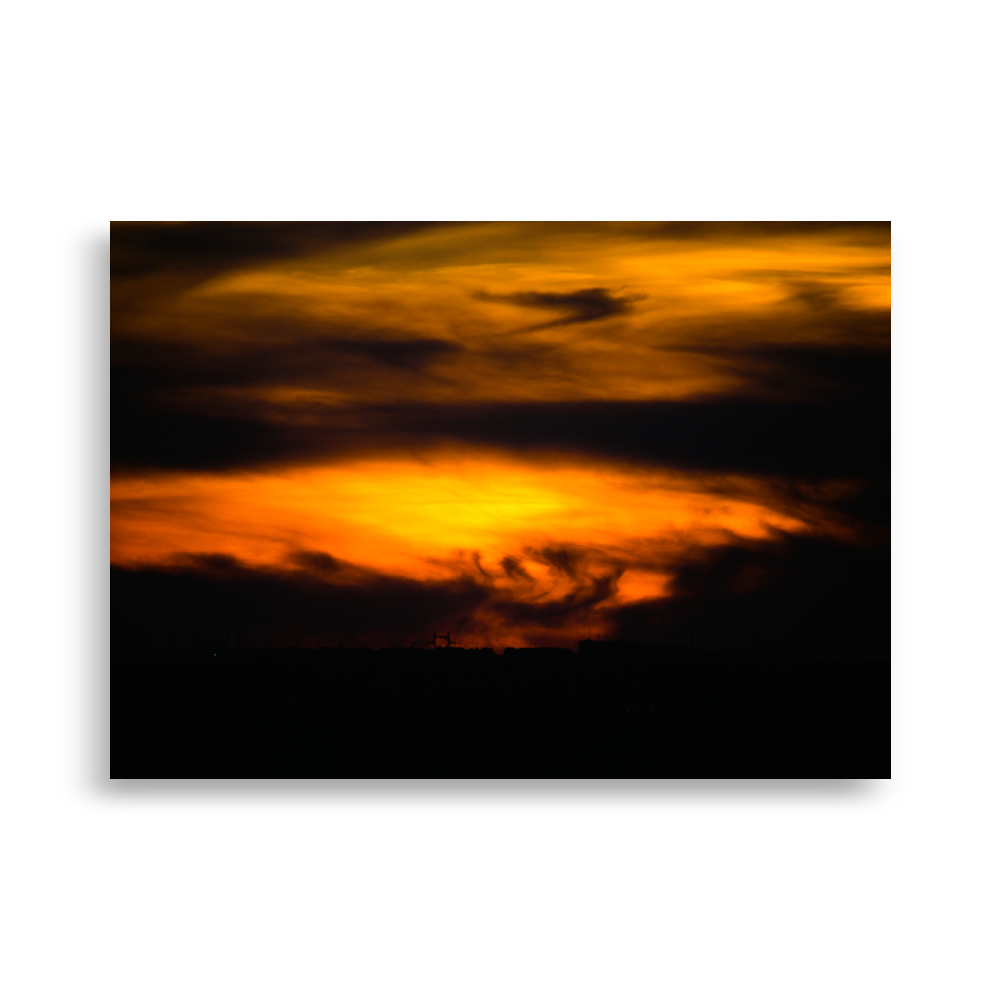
(583, 306)
(322, 601)
(830, 597)
(153, 438)
(155, 424)
(411, 355)
(795, 438)
(259, 343)
(801, 372)
(148, 374)
(200, 250)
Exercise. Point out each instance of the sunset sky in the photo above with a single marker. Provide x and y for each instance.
(521, 433)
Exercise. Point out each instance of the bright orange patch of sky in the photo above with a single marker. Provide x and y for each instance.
(426, 518)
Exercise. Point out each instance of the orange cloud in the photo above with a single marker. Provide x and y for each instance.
(479, 291)
(423, 518)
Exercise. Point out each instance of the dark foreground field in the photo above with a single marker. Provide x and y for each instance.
(467, 713)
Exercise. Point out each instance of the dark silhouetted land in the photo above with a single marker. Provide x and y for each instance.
(610, 710)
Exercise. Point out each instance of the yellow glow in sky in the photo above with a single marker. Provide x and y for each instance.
(415, 518)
